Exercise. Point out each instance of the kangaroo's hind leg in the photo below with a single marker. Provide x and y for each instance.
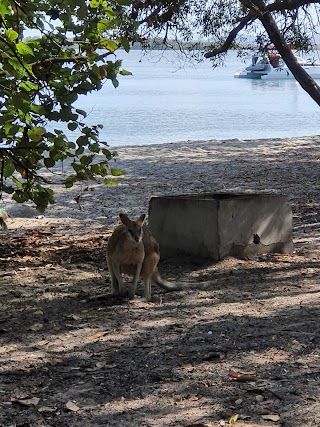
(117, 285)
(149, 265)
(114, 282)
(132, 290)
(117, 273)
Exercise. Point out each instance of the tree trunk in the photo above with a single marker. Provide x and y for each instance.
(300, 74)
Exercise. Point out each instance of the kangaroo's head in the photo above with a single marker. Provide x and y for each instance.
(134, 228)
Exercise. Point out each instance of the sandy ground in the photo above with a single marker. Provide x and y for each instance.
(70, 356)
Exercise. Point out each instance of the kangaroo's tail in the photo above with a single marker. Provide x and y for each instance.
(178, 286)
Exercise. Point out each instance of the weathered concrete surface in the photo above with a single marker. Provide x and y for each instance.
(218, 225)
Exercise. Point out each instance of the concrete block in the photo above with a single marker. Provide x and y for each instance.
(218, 225)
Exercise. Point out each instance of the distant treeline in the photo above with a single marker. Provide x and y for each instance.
(158, 44)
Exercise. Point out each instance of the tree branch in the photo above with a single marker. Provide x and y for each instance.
(306, 82)
(16, 161)
(155, 15)
(289, 5)
(15, 55)
(231, 37)
(61, 59)
(74, 59)
(254, 13)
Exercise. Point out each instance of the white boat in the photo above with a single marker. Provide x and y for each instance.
(272, 67)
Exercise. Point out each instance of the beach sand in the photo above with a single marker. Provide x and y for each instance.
(164, 363)
(283, 166)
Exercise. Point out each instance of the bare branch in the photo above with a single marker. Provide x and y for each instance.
(289, 5)
(231, 37)
(155, 15)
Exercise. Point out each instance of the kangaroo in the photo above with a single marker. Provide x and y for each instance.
(133, 250)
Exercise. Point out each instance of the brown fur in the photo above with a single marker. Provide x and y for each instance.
(133, 250)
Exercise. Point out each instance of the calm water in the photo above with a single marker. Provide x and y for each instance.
(168, 100)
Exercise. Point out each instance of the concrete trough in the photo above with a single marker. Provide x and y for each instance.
(214, 226)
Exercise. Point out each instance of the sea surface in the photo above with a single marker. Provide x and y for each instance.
(169, 98)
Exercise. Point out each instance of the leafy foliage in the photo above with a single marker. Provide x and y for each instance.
(71, 53)
(238, 22)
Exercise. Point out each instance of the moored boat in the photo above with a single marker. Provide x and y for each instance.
(272, 67)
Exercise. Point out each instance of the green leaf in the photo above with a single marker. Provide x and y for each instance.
(4, 118)
(28, 86)
(11, 34)
(125, 73)
(17, 67)
(20, 196)
(11, 130)
(86, 160)
(72, 126)
(125, 43)
(110, 182)
(99, 168)
(115, 83)
(82, 112)
(50, 195)
(117, 172)
(8, 189)
(49, 163)
(5, 7)
(69, 182)
(18, 183)
(109, 44)
(94, 148)
(108, 154)
(79, 151)
(9, 168)
(71, 144)
(42, 197)
(77, 168)
(41, 208)
(36, 133)
(24, 49)
(82, 140)
(96, 3)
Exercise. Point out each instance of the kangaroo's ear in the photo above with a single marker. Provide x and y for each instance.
(141, 218)
(124, 219)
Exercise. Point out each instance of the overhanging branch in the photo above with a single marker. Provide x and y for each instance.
(254, 13)
(71, 59)
(231, 37)
(300, 74)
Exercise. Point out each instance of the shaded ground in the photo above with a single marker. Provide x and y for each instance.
(70, 356)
